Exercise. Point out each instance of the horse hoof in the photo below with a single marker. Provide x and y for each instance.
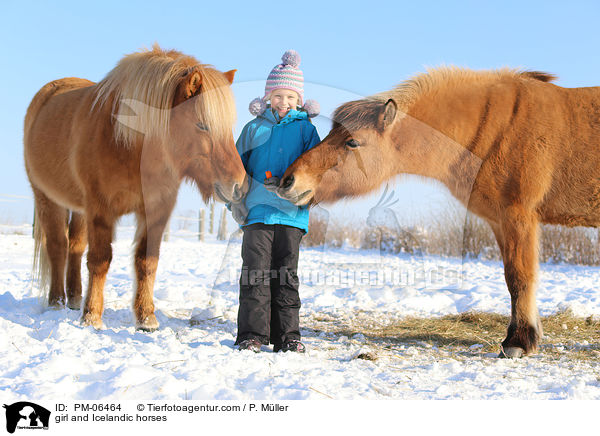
(74, 304)
(196, 320)
(149, 324)
(92, 320)
(56, 303)
(511, 353)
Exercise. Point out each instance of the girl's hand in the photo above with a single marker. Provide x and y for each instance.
(271, 184)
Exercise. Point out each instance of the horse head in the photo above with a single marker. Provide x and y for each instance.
(193, 136)
(202, 123)
(356, 156)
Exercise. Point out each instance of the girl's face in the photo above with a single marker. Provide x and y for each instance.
(283, 100)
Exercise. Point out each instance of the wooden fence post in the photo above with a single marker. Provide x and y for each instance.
(222, 235)
(201, 225)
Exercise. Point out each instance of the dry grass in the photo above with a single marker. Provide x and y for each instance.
(472, 332)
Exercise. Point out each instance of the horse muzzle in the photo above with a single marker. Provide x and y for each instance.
(288, 191)
(234, 193)
(240, 191)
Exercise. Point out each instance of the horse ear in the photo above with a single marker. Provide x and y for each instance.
(229, 74)
(192, 84)
(388, 114)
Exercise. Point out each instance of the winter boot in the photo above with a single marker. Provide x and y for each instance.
(293, 345)
(250, 344)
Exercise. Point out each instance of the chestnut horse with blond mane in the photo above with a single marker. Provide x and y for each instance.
(97, 151)
(512, 147)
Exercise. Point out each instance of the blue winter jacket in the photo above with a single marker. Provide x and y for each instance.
(268, 143)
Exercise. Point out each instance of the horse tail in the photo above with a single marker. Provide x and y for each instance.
(41, 262)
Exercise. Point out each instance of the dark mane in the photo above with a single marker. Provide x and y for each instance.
(357, 114)
(539, 75)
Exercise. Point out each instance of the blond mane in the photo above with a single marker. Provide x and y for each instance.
(150, 79)
(410, 90)
(364, 113)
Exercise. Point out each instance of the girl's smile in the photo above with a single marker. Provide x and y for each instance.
(283, 100)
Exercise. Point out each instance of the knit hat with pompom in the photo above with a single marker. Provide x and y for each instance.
(286, 75)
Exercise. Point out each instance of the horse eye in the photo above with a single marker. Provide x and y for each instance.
(202, 127)
(353, 143)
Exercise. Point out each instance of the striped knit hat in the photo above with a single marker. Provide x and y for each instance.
(286, 75)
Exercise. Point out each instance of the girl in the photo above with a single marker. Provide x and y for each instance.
(273, 227)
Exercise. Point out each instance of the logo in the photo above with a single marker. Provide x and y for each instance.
(25, 415)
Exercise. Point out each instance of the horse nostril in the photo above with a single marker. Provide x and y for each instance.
(288, 182)
(237, 192)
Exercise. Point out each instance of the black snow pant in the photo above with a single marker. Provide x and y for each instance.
(269, 300)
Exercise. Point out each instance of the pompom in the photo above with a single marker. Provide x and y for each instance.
(257, 106)
(312, 108)
(292, 58)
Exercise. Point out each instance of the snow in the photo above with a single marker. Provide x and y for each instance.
(49, 355)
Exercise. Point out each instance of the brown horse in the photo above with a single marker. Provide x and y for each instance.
(124, 145)
(513, 148)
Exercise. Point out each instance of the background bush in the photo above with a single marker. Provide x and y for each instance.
(452, 233)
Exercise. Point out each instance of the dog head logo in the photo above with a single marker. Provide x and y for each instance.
(25, 415)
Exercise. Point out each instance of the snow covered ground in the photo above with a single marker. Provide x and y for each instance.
(48, 355)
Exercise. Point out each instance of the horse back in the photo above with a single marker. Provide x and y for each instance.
(544, 152)
(49, 148)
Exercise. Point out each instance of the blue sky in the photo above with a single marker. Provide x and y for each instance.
(347, 48)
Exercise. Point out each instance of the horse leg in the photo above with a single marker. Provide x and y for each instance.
(53, 221)
(149, 235)
(520, 236)
(497, 230)
(77, 244)
(100, 234)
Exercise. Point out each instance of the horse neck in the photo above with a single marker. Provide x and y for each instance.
(435, 135)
